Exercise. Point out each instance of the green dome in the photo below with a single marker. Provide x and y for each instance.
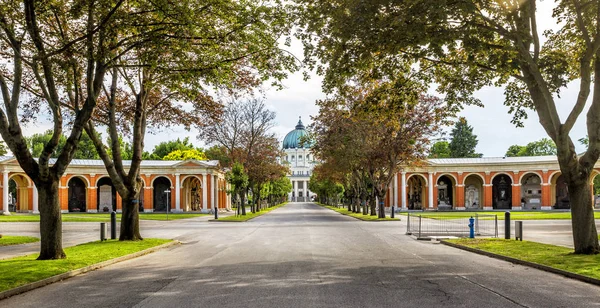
(292, 139)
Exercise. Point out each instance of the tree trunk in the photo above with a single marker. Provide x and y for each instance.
(585, 236)
(50, 222)
(130, 223)
(373, 206)
(381, 210)
(243, 204)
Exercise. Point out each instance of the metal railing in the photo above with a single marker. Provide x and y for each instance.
(440, 225)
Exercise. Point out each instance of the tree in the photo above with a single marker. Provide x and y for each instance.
(219, 153)
(242, 135)
(238, 179)
(466, 45)
(44, 46)
(85, 149)
(186, 155)
(516, 150)
(541, 147)
(225, 45)
(440, 149)
(463, 141)
(3, 148)
(372, 129)
(164, 148)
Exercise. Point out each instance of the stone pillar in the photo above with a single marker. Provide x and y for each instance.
(295, 190)
(488, 204)
(430, 185)
(5, 193)
(516, 197)
(306, 191)
(205, 192)
(214, 193)
(546, 196)
(460, 197)
(35, 200)
(395, 192)
(403, 190)
(177, 194)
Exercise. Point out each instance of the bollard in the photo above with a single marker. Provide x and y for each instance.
(471, 227)
(216, 214)
(113, 225)
(102, 231)
(519, 230)
(392, 213)
(507, 225)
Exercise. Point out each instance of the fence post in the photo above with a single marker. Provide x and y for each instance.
(408, 223)
(496, 226)
(420, 226)
(477, 224)
(507, 225)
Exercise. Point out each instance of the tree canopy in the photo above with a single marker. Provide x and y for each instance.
(463, 46)
(463, 142)
(440, 149)
(164, 148)
(541, 147)
(193, 154)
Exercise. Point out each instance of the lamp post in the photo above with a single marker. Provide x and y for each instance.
(168, 192)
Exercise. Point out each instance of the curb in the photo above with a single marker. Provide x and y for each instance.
(369, 220)
(218, 220)
(546, 268)
(44, 282)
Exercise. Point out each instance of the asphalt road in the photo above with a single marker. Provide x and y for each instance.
(303, 255)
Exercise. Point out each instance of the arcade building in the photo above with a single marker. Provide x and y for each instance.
(489, 183)
(180, 186)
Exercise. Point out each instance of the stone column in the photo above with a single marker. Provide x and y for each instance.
(177, 194)
(204, 192)
(430, 190)
(296, 189)
(516, 197)
(5, 193)
(213, 197)
(306, 191)
(546, 196)
(488, 203)
(395, 192)
(403, 190)
(35, 200)
(460, 197)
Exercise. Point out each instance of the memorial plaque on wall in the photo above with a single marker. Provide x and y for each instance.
(105, 197)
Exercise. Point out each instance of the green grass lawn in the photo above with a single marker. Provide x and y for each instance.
(344, 211)
(7, 240)
(19, 271)
(545, 254)
(516, 215)
(97, 217)
(250, 215)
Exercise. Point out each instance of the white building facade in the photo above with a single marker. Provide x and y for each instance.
(301, 163)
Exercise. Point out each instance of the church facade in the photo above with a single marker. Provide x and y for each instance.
(301, 162)
(180, 186)
(503, 183)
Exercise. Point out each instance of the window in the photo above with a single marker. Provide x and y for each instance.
(292, 157)
(299, 157)
(307, 157)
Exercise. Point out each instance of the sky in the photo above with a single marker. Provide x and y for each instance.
(491, 123)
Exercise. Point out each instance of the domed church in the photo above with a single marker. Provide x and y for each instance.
(301, 163)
